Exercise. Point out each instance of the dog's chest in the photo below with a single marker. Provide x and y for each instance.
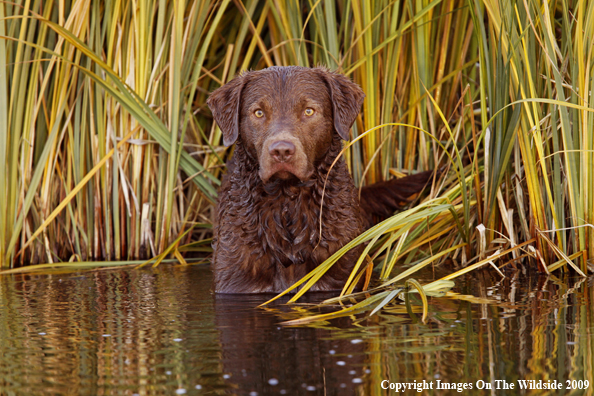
(261, 227)
(284, 227)
(292, 224)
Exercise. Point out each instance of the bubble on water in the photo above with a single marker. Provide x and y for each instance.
(273, 381)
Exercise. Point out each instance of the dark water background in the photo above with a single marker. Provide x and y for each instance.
(163, 332)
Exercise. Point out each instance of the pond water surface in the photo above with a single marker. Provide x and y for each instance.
(163, 332)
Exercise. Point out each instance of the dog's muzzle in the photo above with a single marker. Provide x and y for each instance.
(283, 156)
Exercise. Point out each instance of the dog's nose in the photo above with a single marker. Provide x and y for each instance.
(282, 150)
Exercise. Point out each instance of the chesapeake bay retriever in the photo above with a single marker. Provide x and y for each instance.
(287, 124)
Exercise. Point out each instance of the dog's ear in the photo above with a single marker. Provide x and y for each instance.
(225, 105)
(347, 98)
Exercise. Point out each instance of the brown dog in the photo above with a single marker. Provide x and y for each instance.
(287, 124)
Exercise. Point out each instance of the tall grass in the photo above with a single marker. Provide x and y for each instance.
(100, 96)
(111, 153)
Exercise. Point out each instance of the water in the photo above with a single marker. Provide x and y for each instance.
(163, 332)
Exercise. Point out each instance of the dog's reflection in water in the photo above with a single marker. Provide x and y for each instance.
(261, 355)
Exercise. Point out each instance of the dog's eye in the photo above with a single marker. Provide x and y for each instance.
(259, 113)
(309, 112)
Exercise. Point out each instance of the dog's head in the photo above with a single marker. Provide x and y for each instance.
(286, 117)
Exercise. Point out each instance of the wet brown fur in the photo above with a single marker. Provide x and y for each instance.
(266, 234)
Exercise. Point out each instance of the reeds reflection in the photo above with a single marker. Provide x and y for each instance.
(152, 332)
